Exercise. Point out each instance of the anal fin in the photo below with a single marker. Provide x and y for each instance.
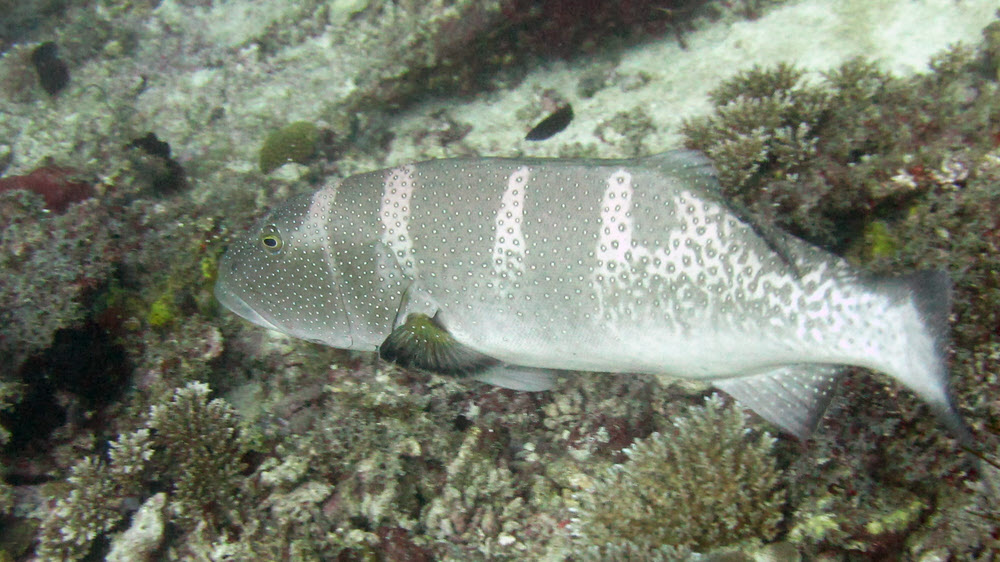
(516, 377)
(793, 397)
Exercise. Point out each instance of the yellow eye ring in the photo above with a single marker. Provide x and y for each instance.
(270, 239)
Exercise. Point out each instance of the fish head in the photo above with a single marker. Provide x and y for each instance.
(281, 275)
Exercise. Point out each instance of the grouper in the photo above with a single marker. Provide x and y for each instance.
(510, 270)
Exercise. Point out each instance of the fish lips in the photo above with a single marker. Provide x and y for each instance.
(233, 302)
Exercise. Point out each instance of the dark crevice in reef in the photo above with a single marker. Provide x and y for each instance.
(71, 382)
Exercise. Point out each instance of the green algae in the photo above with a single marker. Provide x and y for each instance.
(162, 311)
(879, 241)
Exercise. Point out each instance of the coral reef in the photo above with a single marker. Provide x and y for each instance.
(96, 498)
(189, 443)
(108, 316)
(201, 448)
(57, 186)
(706, 483)
(900, 174)
(478, 505)
(45, 254)
(815, 158)
(8, 395)
(144, 536)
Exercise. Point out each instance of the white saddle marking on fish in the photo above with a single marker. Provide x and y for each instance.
(627, 267)
(313, 231)
(614, 240)
(508, 237)
(397, 197)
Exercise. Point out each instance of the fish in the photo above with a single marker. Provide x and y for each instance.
(513, 270)
(554, 123)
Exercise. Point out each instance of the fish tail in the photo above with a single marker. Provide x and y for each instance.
(917, 346)
(930, 293)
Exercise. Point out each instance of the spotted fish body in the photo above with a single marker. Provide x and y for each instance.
(639, 266)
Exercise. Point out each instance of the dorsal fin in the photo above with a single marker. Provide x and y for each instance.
(687, 165)
(692, 166)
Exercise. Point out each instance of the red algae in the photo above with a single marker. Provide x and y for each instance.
(58, 186)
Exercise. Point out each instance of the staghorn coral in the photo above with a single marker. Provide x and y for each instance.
(708, 483)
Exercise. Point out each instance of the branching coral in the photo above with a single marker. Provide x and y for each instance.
(709, 483)
(822, 158)
(905, 175)
(95, 503)
(764, 118)
(200, 447)
(189, 441)
(477, 505)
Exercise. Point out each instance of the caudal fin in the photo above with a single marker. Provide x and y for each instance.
(930, 292)
(920, 304)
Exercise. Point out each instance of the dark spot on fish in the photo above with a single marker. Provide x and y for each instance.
(153, 160)
(552, 124)
(53, 74)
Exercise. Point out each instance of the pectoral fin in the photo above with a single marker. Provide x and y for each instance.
(422, 342)
(793, 397)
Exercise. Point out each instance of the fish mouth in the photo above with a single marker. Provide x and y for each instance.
(234, 303)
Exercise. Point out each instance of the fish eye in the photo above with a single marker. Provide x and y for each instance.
(270, 238)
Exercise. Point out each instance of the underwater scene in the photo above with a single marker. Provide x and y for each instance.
(462, 280)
